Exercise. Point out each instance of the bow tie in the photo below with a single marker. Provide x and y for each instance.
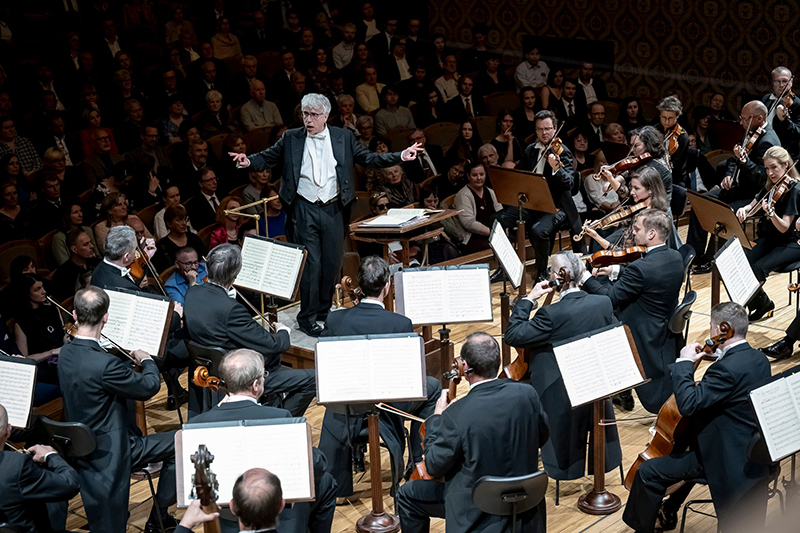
(317, 136)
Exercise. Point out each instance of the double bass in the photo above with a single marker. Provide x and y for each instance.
(205, 487)
(670, 425)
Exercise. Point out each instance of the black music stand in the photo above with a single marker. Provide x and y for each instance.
(719, 219)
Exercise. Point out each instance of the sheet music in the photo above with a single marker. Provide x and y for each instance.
(506, 255)
(597, 366)
(282, 448)
(778, 412)
(444, 296)
(269, 267)
(361, 370)
(736, 272)
(136, 322)
(396, 217)
(16, 390)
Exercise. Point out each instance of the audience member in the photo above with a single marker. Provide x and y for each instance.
(551, 92)
(73, 220)
(13, 220)
(477, 205)
(447, 83)
(466, 145)
(202, 207)
(391, 115)
(258, 112)
(227, 223)
(171, 195)
(429, 162)
(508, 147)
(532, 72)
(22, 147)
(76, 272)
(188, 272)
(178, 237)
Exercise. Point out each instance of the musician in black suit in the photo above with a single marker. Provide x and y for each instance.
(317, 191)
(429, 162)
(785, 118)
(467, 104)
(560, 176)
(576, 313)
(95, 386)
(461, 445)
(30, 481)
(669, 111)
(720, 430)
(338, 430)
(242, 371)
(113, 272)
(212, 317)
(645, 294)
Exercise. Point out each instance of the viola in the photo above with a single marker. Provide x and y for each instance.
(672, 138)
(557, 148)
(613, 219)
(670, 425)
(205, 486)
(605, 258)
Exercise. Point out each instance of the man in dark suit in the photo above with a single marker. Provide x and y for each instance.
(785, 118)
(560, 176)
(45, 213)
(213, 318)
(202, 208)
(29, 481)
(279, 84)
(590, 88)
(429, 161)
(380, 45)
(721, 430)
(113, 272)
(461, 446)
(593, 123)
(188, 160)
(96, 385)
(576, 313)
(208, 81)
(568, 109)
(370, 317)
(645, 294)
(317, 191)
(242, 371)
(466, 104)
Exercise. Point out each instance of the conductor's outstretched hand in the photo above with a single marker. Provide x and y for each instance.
(410, 153)
(240, 159)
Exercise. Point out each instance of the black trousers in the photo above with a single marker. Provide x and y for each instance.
(417, 502)
(767, 256)
(698, 237)
(321, 229)
(299, 385)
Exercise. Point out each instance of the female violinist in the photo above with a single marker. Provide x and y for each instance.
(676, 140)
(645, 188)
(776, 247)
(644, 140)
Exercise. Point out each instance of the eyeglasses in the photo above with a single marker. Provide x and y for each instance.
(309, 114)
(544, 130)
(188, 263)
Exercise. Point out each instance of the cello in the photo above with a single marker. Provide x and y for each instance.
(670, 425)
(205, 487)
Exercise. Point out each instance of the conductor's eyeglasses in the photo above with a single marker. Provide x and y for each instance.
(309, 114)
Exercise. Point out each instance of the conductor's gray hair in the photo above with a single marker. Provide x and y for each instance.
(316, 101)
(569, 261)
(223, 264)
(119, 241)
(240, 368)
(732, 313)
(671, 103)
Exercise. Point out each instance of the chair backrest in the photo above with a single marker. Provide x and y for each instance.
(268, 64)
(649, 111)
(258, 139)
(204, 234)
(215, 143)
(486, 128)
(678, 201)
(682, 313)
(207, 356)
(499, 100)
(83, 198)
(715, 157)
(612, 111)
(70, 439)
(361, 207)
(687, 253)
(449, 202)
(46, 250)
(13, 249)
(148, 215)
(398, 138)
(164, 276)
(238, 192)
(499, 495)
(442, 134)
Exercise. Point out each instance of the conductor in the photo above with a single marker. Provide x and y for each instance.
(317, 191)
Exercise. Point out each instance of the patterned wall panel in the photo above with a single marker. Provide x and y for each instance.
(687, 47)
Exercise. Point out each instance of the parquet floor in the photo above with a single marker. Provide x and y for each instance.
(564, 517)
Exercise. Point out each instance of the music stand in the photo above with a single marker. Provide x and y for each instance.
(718, 219)
(524, 190)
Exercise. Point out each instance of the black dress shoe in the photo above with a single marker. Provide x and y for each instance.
(704, 268)
(496, 276)
(152, 526)
(180, 398)
(764, 311)
(624, 400)
(314, 330)
(782, 349)
(668, 519)
(358, 459)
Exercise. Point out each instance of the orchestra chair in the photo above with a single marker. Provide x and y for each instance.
(13, 249)
(258, 139)
(500, 100)
(442, 134)
(148, 214)
(715, 157)
(486, 127)
(679, 322)
(238, 192)
(791, 269)
(398, 138)
(203, 399)
(612, 112)
(268, 64)
(509, 496)
(204, 234)
(164, 276)
(46, 250)
(687, 253)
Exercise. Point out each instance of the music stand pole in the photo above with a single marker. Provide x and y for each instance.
(444, 352)
(505, 311)
(521, 199)
(599, 501)
(716, 279)
(378, 520)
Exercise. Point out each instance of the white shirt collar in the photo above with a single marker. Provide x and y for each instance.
(651, 248)
(123, 272)
(240, 398)
(586, 84)
(318, 136)
(573, 289)
(85, 338)
(728, 348)
(374, 302)
(473, 385)
(209, 197)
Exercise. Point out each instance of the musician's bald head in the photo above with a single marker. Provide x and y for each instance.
(754, 114)
(257, 499)
(482, 354)
(90, 306)
(242, 371)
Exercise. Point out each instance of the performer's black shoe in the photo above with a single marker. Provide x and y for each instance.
(180, 398)
(358, 459)
(314, 330)
(763, 311)
(170, 523)
(496, 276)
(782, 349)
(624, 400)
(703, 268)
(667, 518)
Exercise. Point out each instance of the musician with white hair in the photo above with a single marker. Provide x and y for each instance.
(318, 191)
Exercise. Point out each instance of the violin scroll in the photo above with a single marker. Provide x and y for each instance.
(202, 378)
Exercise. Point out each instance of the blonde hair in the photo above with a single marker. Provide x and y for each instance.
(53, 153)
(779, 154)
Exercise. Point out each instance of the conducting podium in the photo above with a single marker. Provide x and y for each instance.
(356, 373)
(524, 190)
(718, 219)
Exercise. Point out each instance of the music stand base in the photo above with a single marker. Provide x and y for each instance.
(378, 523)
(599, 503)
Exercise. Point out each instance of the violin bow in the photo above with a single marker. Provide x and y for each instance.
(547, 149)
(259, 314)
(151, 268)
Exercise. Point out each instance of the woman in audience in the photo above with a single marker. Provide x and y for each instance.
(429, 112)
(11, 172)
(171, 125)
(113, 212)
(615, 133)
(325, 35)
(466, 144)
(492, 79)
(92, 121)
(580, 143)
(524, 121)
(352, 73)
(717, 105)
(366, 127)
(225, 43)
(89, 99)
(509, 148)
(452, 181)
(252, 193)
(372, 175)
(73, 219)
(228, 175)
(702, 117)
(305, 55)
(115, 182)
(400, 190)
(173, 28)
(171, 196)
(631, 115)
(20, 265)
(478, 206)
(215, 118)
(551, 92)
(435, 57)
(227, 224)
(55, 162)
(13, 222)
(38, 327)
(318, 74)
(276, 216)
(178, 236)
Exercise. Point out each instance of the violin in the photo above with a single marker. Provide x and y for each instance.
(202, 378)
(612, 219)
(629, 163)
(670, 425)
(744, 151)
(781, 187)
(672, 138)
(605, 258)
(557, 148)
(455, 375)
(205, 486)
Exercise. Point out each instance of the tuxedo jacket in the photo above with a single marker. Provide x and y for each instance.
(560, 182)
(788, 130)
(106, 276)
(364, 319)
(288, 153)
(752, 174)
